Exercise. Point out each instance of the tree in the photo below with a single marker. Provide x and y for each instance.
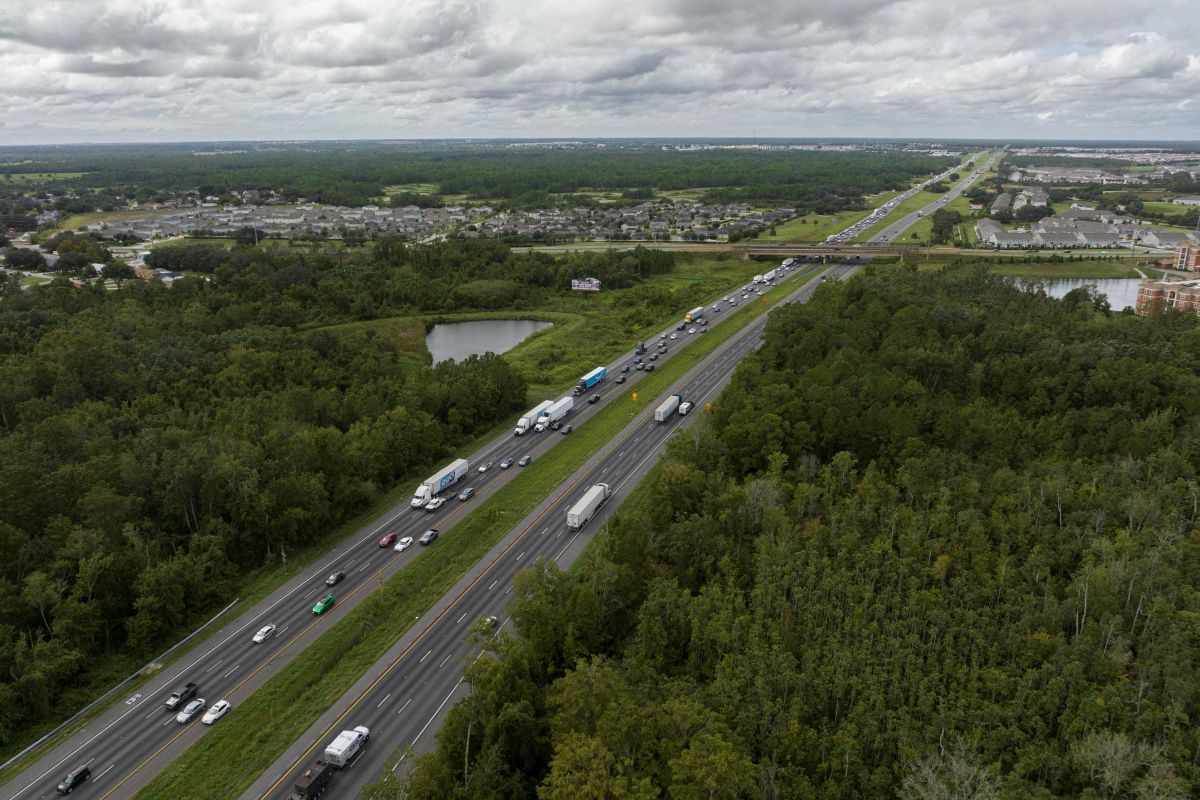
(117, 271)
(951, 773)
(24, 258)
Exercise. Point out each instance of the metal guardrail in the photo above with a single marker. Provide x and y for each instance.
(81, 712)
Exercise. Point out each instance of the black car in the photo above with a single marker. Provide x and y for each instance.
(428, 536)
(625, 368)
(334, 578)
(73, 779)
(649, 368)
(681, 326)
(567, 429)
(594, 399)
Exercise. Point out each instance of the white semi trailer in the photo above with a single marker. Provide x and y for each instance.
(581, 512)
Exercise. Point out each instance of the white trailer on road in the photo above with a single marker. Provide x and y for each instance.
(443, 478)
(529, 420)
(554, 413)
(582, 511)
(342, 749)
(667, 408)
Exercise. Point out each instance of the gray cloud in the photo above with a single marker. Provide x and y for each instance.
(100, 70)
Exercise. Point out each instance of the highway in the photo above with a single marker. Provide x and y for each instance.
(407, 693)
(132, 741)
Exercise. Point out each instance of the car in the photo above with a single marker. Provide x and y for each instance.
(485, 466)
(681, 326)
(435, 503)
(641, 366)
(625, 368)
(335, 578)
(567, 429)
(691, 330)
(489, 622)
(264, 633)
(466, 494)
(650, 368)
(746, 296)
(404, 543)
(190, 711)
(620, 379)
(389, 538)
(73, 779)
(685, 407)
(674, 336)
(218, 710)
(596, 398)
(662, 336)
(506, 463)
(323, 605)
(525, 461)
(428, 536)
(654, 356)
(557, 425)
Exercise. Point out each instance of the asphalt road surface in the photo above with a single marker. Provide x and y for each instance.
(132, 741)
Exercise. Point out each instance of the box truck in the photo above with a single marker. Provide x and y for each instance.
(342, 749)
(582, 511)
(554, 413)
(592, 378)
(525, 423)
(438, 481)
(313, 782)
(667, 408)
(693, 315)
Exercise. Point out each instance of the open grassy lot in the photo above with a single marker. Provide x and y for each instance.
(416, 188)
(229, 757)
(407, 334)
(1049, 266)
(37, 177)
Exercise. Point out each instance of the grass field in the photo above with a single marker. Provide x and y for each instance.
(226, 760)
(1029, 268)
(38, 177)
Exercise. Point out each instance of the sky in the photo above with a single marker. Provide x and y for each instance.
(207, 70)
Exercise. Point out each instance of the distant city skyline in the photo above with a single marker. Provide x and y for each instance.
(216, 70)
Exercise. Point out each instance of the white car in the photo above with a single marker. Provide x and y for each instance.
(264, 633)
(674, 336)
(403, 544)
(435, 503)
(218, 710)
(691, 330)
(190, 711)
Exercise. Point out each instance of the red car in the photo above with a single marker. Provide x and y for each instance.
(388, 540)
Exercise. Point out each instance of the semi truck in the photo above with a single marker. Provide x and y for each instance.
(529, 420)
(592, 378)
(342, 749)
(440, 480)
(770, 276)
(757, 279)
(554, 413)
(693, 315)
(667, 408)
(581, 512)
(313, 782)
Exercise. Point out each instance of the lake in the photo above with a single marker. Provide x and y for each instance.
(458, 340)
(1121, 292)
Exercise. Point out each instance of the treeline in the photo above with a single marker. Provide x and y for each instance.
(938, 539)
(157, 445)
(360, 175)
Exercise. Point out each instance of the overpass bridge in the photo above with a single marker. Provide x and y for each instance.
(749, 250)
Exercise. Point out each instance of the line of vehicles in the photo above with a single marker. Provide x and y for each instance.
(886, 208)
(338, 754)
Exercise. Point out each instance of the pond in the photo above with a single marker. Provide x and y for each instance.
(458, 340)
(1121, 292)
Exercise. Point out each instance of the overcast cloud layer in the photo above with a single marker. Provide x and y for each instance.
(171, 70)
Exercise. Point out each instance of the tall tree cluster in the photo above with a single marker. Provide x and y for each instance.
(937, 539)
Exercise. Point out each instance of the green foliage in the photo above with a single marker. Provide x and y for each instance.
(937, 539)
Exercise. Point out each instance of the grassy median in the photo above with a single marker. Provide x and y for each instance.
(234, 753)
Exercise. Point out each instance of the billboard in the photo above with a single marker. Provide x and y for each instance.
(585, 284)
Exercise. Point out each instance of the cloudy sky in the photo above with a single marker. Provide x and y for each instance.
(173, 70)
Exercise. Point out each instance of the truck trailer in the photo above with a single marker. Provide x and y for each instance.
(554, 413)
(770, 276)
(342, 749)
(667, 408)
(693, 315)
(440, 480)
(313, 782)
(525, 423)
(592, 378)
(582, 511)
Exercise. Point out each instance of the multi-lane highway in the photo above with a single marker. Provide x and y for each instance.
(127, 745)
(403, 699)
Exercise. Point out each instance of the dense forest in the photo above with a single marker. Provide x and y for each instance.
(157, 445)
(937, 539)
(358, 174)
